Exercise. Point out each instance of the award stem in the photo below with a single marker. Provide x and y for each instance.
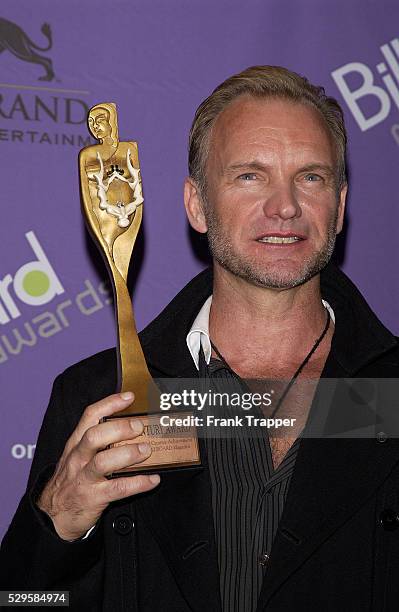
(133, 373)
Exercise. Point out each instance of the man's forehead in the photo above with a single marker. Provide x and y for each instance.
(273, 113)
(249, 120)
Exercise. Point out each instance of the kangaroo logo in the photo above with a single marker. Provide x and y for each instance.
(14, 39)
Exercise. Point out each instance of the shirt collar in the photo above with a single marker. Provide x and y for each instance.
(198, 336)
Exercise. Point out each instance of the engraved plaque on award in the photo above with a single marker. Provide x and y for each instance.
(112, 201)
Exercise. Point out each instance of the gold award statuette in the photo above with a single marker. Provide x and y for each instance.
(113, 207)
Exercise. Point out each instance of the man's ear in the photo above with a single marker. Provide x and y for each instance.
(194, 206)
(341, 207)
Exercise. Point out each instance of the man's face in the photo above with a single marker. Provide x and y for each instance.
(272, 210)
(99, 123)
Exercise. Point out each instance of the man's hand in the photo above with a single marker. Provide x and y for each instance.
(79, 491)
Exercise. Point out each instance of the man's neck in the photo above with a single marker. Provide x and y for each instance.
(253, 325)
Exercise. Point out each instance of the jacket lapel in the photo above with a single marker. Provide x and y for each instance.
(179, 512)
(331, 481)
(179, 515)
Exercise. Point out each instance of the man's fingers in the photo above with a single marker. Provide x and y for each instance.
(117, 458)
(95, 412)
(119, 488)
(98, 437)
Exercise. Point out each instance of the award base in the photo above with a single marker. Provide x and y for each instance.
(174, 446)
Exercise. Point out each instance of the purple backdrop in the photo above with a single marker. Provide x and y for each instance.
(157, 60)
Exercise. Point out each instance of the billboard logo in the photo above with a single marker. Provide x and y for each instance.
(14, 39)
(35, 283)
(382, 96)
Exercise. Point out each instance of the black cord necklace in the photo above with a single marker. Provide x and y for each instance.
(298, 371)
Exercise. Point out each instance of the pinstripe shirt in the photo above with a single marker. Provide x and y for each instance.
(248, 498)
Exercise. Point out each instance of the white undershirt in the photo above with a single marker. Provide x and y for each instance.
(198, 336)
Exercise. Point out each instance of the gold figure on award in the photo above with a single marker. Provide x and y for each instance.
(113, 207)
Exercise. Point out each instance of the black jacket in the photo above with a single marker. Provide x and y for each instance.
(335, 548)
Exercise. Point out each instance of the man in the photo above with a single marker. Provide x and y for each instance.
(266, 523)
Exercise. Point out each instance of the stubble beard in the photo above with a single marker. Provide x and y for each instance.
(251, 271)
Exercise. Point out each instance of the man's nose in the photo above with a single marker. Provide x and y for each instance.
(282, 202)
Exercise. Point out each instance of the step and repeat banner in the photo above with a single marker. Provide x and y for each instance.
(157, 60)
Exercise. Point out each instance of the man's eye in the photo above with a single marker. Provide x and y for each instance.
(248, 176)
(313, 177)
